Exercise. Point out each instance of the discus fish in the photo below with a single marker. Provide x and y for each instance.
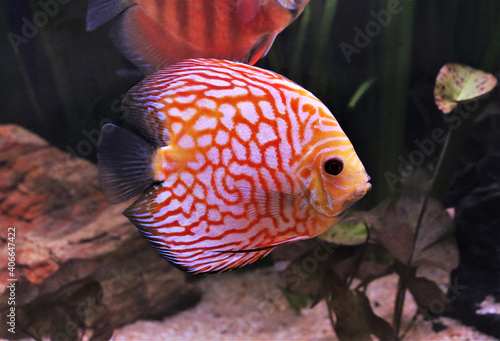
(233, 161)
(153, 34)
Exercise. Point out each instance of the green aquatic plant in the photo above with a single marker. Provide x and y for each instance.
(393, 245)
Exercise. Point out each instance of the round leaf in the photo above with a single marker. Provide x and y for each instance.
(457, 83)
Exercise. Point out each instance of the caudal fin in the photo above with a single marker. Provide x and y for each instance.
(124, 162)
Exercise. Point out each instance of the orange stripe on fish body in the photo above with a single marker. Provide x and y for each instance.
(243, 161)
(153, 34)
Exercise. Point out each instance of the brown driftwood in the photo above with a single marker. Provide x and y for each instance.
(79, 263)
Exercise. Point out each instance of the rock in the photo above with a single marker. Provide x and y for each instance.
(79, 263)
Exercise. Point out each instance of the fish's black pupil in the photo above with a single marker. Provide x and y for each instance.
(334, 166)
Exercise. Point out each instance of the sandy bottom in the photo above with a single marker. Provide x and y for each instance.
(248, 306)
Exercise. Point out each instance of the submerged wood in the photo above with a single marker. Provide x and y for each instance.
(79, 263)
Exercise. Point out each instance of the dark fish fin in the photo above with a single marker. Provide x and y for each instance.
(124, 162)
(247, 9)
(100, 12)
(261, 49)
(127, 45)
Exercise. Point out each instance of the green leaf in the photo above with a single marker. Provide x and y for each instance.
(349, 231)
(297, 301)
(457, 83)
(363, 88)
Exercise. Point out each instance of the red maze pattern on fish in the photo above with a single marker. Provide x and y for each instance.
(231, 141)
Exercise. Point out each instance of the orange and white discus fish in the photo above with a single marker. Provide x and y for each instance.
(153, 34)
(233, 161)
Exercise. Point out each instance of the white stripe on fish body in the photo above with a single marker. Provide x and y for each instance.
(231, 93)
(206, 103)
(212, 82)
(185, 115)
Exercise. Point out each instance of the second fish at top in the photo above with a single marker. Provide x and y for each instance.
(154, 34)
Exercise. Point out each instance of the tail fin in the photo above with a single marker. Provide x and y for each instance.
(100, 12)
(124, 162)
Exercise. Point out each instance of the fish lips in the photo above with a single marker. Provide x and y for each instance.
(351, 198)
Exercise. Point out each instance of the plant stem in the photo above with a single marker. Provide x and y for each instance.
(403, 279)
(330, 315)
(413, 319)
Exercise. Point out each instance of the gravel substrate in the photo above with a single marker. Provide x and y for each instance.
(246, 305)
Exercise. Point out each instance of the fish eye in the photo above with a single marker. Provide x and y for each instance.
(334, 166)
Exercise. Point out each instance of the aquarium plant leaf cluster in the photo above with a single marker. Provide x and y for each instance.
(342, 279)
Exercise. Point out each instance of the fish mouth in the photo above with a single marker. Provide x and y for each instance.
(353, 197)
(363, 188)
